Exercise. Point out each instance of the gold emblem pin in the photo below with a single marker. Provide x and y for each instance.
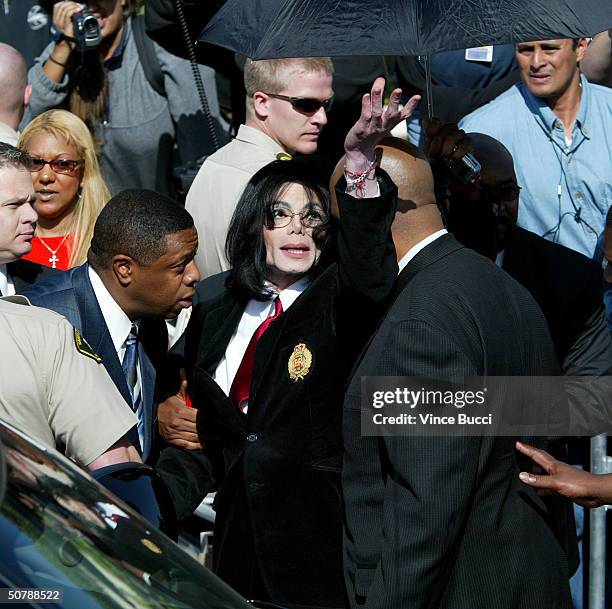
(147, 543)
(299, 362)
(283, 156)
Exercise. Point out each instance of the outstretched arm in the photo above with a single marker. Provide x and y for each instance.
(583, 488)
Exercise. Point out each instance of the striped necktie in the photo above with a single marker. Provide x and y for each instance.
(130, 365)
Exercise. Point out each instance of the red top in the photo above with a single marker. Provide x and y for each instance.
(41, 255)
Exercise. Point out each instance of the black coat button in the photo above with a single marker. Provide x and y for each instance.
(252, 437)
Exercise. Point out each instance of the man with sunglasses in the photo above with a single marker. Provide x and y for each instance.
(286, 109)
(566, 285)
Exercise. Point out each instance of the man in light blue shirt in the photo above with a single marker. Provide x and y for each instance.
(556, 125)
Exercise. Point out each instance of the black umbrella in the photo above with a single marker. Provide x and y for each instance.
(266, 29)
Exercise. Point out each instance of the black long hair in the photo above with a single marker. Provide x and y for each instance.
(245, 248)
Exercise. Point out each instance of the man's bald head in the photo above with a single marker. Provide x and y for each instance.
(481, 218)
(13, 84)
(417, 213)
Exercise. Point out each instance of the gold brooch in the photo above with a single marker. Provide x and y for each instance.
(283, 156)
(299, 362)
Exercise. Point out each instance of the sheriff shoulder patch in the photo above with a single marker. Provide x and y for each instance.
(82, 346)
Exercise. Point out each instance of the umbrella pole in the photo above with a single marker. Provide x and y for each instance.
(428, 92)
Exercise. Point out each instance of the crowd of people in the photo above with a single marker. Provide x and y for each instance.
(333, 236)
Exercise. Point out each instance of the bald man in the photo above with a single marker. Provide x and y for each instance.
(15, 92)
(566, 284)
(444, 521)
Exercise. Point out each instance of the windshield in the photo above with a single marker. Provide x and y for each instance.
(59, 529)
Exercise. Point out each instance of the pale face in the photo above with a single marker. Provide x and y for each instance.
(293, 130)
(56, 193)
(17, 216)
(549, 68)
(291, 251)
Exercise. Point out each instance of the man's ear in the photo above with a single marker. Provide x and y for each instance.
(261, 104)
(124, 268)
(581, 48)
(27, 93)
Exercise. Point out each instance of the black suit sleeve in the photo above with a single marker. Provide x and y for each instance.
(188, 475)
(367, 264)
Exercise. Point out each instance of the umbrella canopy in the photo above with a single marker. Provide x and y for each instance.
(266, 29)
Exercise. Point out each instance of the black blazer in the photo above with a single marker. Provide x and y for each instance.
(25, 273)
(444, 521)
(71, 294)
(569, 289)
(277, 469)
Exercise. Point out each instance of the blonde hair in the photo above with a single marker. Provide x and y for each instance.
(272, 75)
(94, 194)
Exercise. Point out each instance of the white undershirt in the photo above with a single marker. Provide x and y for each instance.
(119, 326)
(6, 283)
(415, 249)
(254, 314)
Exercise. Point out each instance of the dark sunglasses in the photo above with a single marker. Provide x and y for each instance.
(505, 192)
(57, 166)
(307, 105)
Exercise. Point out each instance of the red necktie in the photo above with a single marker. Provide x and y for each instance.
(241, 386)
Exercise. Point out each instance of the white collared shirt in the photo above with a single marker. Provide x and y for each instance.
(415, 249)
(6, 283)
(253, 316)
(119, 326)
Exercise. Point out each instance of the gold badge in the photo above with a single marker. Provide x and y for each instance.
(283, 156)
(299, 362)
(147, 543)
(83, 347)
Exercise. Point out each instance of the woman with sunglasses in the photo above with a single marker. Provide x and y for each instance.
(267, 353)
(70, 191)
(136, 117)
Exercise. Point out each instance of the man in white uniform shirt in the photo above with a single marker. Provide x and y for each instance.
(286, 106)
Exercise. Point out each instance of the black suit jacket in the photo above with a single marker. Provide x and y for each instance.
(24, 273)
(277, 469)
(71, 294)
(568, 287)
(445, 521)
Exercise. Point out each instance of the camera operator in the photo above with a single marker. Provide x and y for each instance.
(135, 114)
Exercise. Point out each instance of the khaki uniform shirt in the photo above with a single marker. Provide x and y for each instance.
(212, 198)
(54, 388)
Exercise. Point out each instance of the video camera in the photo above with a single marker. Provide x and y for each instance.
(86, 31)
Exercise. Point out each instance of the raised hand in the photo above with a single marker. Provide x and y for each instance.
(374, 124)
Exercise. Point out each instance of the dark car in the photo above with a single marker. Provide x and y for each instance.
(62, 531)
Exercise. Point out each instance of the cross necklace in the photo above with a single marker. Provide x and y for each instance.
(54, 259)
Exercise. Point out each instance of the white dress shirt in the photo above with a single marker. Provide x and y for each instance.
(119, 326)
(6, 283)
(253, 316)
(415, 249)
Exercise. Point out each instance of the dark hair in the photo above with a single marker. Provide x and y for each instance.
(245, 248)
(136, 223)
(14, 157)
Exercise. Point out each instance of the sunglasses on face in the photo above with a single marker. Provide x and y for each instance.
(505, 192)
(66, 166)
(306, 105)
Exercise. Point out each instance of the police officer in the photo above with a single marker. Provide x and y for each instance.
(51, 382)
